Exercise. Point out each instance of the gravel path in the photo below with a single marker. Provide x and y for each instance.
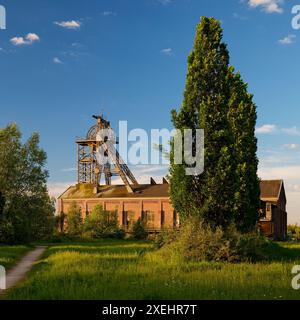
(19, 271)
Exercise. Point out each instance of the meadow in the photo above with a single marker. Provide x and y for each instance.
(124, 269)
(9, 255)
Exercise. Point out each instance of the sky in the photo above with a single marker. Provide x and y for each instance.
(62, 61)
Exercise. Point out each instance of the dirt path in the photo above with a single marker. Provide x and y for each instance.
(18, 272)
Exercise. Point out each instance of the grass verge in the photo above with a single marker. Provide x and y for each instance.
(119, 269)
(9, 255)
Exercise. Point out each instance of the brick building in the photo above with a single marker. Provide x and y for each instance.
(151, 202)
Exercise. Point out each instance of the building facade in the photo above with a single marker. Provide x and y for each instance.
(273, 215)
(152, 203)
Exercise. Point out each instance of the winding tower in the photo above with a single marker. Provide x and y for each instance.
(96, 146)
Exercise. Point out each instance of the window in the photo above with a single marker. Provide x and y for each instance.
(128, 219)
(149, 218)
(174, 219)
(162, 218)
(262, 214)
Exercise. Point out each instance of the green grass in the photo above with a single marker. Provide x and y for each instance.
(116, 269)
(9, 255)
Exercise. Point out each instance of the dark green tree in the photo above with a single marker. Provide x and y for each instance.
(101, 223)
(210, 103)
(74, 220)
(242, 117)
(27, 211)
(139, 230)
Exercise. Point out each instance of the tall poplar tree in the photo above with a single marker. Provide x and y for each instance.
(211, 102)
(242, 118)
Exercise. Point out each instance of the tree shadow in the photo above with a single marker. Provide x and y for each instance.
(278, 252)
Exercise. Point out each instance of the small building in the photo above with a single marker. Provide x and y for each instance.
(273, 215)
(151, 203)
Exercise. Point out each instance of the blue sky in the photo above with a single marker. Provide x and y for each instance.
(62, 61)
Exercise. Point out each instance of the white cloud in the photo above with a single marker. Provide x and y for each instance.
(72, 24)
(238, 16)
(280, 172)
(269, 6)
(144, 173)
(57, 188)
(164, 2)
(272, 128)
(18, 41)
(291, 146)
(57, 60)
(291, 177)
(32, 37)
(29, 39)
(69, 169)
(142, 170)
(76, 45)
(293, 131)
(167, 51)
(293, 187)
(266, 129)
(109, 13)
(287, 40)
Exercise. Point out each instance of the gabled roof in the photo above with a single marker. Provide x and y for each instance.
(271, 189)
(117, 191)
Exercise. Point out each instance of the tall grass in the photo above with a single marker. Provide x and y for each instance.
(118, 269)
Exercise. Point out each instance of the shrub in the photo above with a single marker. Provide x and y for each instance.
(102, 224)
(60, 238)
(294, 232)
(165, 237)
(139, 230)
(120, 234)
(199, 242)
(74, 220)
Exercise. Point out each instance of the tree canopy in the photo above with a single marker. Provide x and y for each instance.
(216, 100)
(26, 210)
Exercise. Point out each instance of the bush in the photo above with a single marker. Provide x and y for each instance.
(165, 237)
(74, 220)
(294, 232)
(139, 230)
(199, 242)
(60, 238)
(103, 224)
(120, 234)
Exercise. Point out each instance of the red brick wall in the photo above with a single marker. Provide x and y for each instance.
(138, 207)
